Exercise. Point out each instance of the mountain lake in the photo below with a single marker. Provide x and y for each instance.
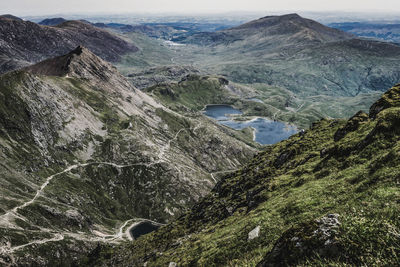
(267, 131)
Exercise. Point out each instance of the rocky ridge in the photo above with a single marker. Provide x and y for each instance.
(25, 42)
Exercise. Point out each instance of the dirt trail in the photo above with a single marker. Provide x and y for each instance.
(122, 233)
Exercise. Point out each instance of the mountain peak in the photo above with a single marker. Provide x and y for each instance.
(290, 24)
(79, 63)
(61, 66)
(84, 65)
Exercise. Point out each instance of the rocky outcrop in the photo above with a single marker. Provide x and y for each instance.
(318, 238)
(352, 125)
(389, 99)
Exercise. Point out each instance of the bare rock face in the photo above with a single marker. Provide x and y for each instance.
(25, 42)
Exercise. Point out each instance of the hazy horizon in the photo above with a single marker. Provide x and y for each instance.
(154, 7)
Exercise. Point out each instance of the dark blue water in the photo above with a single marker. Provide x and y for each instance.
(266, 131)
(142, 229)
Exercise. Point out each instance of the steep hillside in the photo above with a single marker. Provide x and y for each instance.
(25, 42)
(326, 196)
(84, 155)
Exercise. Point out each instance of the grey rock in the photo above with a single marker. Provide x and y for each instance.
(254, 233)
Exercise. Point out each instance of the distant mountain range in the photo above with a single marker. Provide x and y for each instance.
(378, 31)
(167, 31)
(25, 42)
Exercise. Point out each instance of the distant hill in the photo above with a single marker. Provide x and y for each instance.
(52, 21)
(298, 54)
(9, 16)
(378, 31)
(25, 42)
(266, 29)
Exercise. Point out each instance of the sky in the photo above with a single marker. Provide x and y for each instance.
(43, 7)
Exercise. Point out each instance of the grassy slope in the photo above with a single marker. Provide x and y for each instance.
(353, 173)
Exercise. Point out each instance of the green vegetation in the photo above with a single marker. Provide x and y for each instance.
(287, 191)
(193, 92)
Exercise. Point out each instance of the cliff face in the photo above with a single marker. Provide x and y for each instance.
(326, 196)
(84, 155)
(25, 42)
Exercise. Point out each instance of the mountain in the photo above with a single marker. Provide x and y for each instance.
(85, 155)
(296, 29)
(301, 55)
(9, 16)
(326, 196)
(378, 31)
(52, 21)
(301, 70)
(25, 42)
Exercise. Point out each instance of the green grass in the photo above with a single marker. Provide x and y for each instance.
(284, 190)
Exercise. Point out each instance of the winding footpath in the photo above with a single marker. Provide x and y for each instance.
(122, 233)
